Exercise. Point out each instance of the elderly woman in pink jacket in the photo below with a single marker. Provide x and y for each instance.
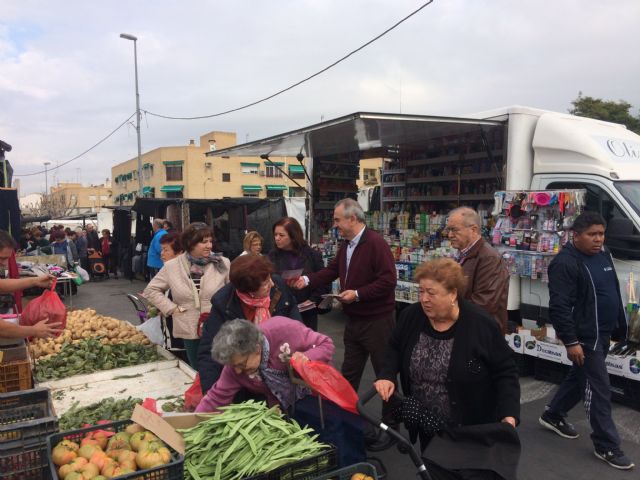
(256, 358)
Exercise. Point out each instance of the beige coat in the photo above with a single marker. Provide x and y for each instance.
(175, 276)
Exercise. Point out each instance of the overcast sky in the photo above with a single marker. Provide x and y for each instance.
(67, 78)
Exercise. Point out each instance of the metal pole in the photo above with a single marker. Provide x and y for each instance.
(135, 62)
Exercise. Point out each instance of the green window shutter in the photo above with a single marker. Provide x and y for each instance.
(296, 169)
(251, 188)
(171, 188)
(276, 187)
(173, 162)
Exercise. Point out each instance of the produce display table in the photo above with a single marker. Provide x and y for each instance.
(169, 377)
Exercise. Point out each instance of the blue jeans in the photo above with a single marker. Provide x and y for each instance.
(591, 384)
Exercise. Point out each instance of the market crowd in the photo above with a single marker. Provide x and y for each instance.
(241, 322)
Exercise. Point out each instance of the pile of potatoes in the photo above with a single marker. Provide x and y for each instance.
(87, 323)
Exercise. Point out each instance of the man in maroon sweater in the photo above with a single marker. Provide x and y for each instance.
(367, 274)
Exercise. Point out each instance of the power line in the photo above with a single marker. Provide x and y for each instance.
(169, 117)
(81, 154)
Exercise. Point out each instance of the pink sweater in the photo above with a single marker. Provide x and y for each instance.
(285, 337)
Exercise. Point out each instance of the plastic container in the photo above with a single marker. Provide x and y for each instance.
(27, 462)
(15, 369)
(26, 416)
(305, 469)
(346, 472)
(171, 471)
(551, 372)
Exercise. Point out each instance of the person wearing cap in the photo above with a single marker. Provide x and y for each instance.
(486, 273)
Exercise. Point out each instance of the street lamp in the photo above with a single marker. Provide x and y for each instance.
(46, 180)
(126, 36)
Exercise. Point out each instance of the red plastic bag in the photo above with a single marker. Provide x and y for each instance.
(46, 305)
(193, 395)
(328, 382)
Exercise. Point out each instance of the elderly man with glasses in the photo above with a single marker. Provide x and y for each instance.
(486, 274)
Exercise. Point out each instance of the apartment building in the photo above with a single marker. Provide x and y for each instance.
(185, 172)
(74, 198)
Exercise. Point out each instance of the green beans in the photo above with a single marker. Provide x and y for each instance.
(245, 440)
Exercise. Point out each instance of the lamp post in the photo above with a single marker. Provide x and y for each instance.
(46, 179)
(126, 36)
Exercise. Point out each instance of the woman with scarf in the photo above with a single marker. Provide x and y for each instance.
(193, 278)
(254, 294)
(256, 358)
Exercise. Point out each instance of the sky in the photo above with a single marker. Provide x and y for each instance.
(67, 77)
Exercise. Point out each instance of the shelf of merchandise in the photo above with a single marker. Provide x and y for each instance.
(393, 171)
(394, 184)
(454, 158)
(393, 199)
(452, 178)
(449, 198)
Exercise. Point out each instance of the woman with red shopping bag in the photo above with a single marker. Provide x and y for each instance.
(8, 286)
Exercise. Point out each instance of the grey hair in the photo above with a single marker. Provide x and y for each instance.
(235, 337)
(469, 216)
(157, 222)
(351, 207)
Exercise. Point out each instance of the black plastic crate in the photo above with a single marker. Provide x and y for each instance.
(549, 371)
(625, 391)
(305, 469)
(346, 472)
(171, 471)
(26, 462)
(26, 416)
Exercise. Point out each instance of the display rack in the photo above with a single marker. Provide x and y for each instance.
(532, 226)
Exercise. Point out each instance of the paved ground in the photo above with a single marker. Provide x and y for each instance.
(544, 455)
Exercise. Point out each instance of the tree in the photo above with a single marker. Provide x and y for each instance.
(55, 205)
(607, 110)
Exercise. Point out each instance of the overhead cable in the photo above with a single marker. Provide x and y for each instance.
(81, 154)
(280, 92)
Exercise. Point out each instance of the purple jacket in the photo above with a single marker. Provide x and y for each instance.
(285, 337)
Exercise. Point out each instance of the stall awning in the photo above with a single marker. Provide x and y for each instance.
(249, 164)
(173, 162)
(171, 188)
(296, 169)
(148, 189)
(251, 188)
(276, 187)
(370, 135)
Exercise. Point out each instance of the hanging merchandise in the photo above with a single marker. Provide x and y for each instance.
(532, 226)
(633, 311)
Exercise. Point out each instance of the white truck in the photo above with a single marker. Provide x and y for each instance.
(513, 148)
(550, 150)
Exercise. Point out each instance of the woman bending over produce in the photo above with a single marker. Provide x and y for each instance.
(254, 294)
(193, 278)
(256, 357)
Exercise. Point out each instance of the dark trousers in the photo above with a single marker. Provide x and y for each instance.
(591, 384)
(310, 319)
(364, 338)
(342, 429)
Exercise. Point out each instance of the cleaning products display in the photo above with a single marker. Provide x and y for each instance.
(532, 226)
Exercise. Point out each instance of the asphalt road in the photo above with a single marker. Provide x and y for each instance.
(544, 454)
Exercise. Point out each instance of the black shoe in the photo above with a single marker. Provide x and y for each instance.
(384, 442)
(558, 425)
(616, 459)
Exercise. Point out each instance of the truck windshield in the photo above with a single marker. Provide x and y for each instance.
(631, 192)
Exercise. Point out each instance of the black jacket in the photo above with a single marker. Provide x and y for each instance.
(482, 380)
(572, 300)
(225, 306)
(310, 261)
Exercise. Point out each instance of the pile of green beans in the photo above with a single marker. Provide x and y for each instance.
(245, 440)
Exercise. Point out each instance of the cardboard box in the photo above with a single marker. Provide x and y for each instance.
(166, 427)
(552, 352)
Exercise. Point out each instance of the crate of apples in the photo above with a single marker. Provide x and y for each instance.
(103, 453)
